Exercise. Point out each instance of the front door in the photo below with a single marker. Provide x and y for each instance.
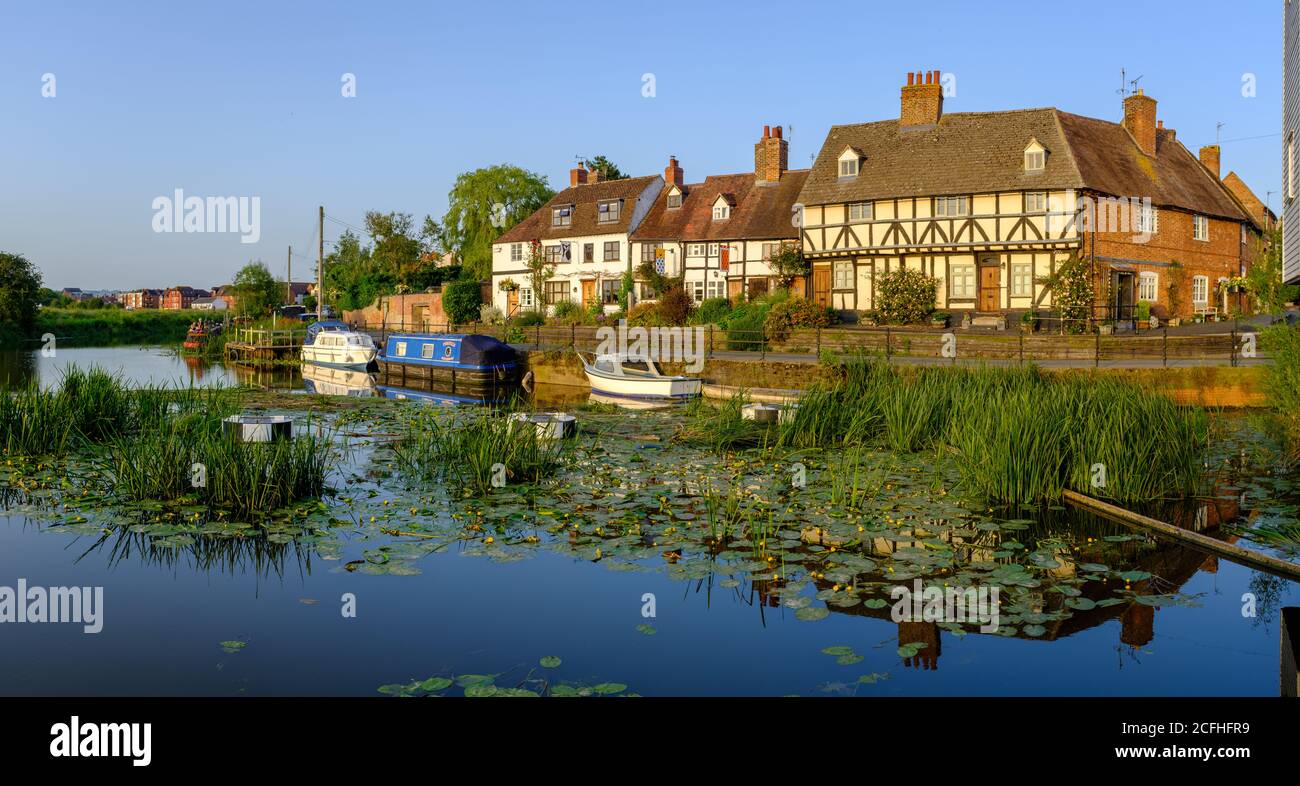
(512, 302)
(588, 293)
(990, 281)
(822, 286)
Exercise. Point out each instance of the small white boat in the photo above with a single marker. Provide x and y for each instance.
(613, 375)
(337, 381)
(332, 343)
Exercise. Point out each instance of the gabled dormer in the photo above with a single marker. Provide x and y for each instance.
(850, 162)
(674, 195)
(1035, 157)
(722, 207)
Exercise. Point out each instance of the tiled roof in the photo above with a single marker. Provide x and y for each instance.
(759, 210)
(981, 152)
(584, 199)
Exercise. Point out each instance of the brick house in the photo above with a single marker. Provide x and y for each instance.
(141, 298)
(990, 204)
(181, 297)
(720, 232)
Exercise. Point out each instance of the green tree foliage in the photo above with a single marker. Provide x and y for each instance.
(1264, 281)
(401, 259)
(905, 297)
(786, 315)
(20, 291)
(1072, 292)
(788, 263)
(256, 291)
(608, 169)
(461, 300)
(482, 205)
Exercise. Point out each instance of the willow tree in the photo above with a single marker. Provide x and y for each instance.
(482, 205)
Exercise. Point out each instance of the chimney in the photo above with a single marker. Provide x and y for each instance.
(771, 155)
(1140, 121)
(1210, 158)
(673, 174)
(922, 100)
(577, 176)
(595, 176)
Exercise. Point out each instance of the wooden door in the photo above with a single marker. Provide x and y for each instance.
(588, 293)
(512, 302)
(822, 286)
(735, 287)
(990, 282)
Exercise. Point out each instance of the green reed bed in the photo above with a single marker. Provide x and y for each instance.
(1018, 435)
(189, 457)
(466, 448)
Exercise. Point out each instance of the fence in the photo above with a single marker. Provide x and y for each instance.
(1146, 347)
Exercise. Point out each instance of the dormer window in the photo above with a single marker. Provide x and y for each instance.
(562, 216)
(722, 208)
(609, 212)
(674, 198)
(1035, 156)
(850, 162)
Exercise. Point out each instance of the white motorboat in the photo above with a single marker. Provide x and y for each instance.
(332, 343)
(337, 381)
(640, 378)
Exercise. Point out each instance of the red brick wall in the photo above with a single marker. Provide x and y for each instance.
(1219, 257)
(400, 312)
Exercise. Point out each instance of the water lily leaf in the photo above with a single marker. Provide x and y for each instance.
(838, 650)
(434, 684)
(550, 662)
(609, 688)
(812, 613)
(648, 630)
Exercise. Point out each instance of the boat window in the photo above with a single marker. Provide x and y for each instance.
(426, 351)
(401, 349)
(447, 351)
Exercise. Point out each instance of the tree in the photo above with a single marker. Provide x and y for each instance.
(1072, 293)
(788, 263)
(396, 249)
(1264, 280)
(20, 291)
(482, 205)
(461, 300)
(257, 293)
(608, 169)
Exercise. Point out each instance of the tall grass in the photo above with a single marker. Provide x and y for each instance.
(1282, 382)
(466, 448)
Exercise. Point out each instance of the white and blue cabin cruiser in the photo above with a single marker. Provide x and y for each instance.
(332, 343)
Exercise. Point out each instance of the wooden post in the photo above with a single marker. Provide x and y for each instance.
(1096, 363)
(1290, 635)
(320, 267)
(1164, 347)
(1234, 343)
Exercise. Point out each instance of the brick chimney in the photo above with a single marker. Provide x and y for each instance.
(922, 100)
(577, 176)
(673, 175)
(1140, 121)
(771, 155)
(1210, 157)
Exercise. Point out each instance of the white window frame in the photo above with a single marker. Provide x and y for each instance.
(695, 250)
(861, 211)
(1201, 283)
(674, 200)
(721, 212)
(713, 250)
(842, 272)
(951, 206)
(562, 216)
(848, 167)
(1201, 228)
(1148, 282)
(1036, 202)
(1035, 160)
(516, 252)
(1022, 279)
(962, 285)
(525, 297)
(1147, 220)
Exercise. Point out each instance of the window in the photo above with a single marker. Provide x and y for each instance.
(1200, 290)
(1148, 285)
(588, 252)
(860, 211)
(721, 212)
(562, 216)
(556, 292)
(674, 201)
(648, 251)
(516, 252)
(1022, 280)
(554, 255)
(609, 212)
(1148, 221)
(646, 292)
(951, 206)
(426, 351)
(848, 167)
(713, 249)
(963, 282)
(609, 292)
(611, 251)
(525, 297)
(1200, 228)
(1034, 160)
(695, 250)
(401, 349)
(842, 275)
(769, 249)
(1036, 202)
(701, 290)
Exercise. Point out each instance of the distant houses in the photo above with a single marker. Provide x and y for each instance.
(141, 298)
(989, 204)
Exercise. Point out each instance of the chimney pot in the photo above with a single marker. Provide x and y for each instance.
(910, 77)
(922, 100)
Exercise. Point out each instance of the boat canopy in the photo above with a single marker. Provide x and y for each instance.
(469, 351)
(317, 327)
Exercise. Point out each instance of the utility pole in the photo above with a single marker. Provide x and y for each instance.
(320, 267)
(288, 278)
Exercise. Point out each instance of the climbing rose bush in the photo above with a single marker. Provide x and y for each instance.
(905, 297)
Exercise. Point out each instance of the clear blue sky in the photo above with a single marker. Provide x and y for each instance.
(243, 98)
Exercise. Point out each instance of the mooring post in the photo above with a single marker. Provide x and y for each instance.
(1233, 349)
(888, 349)
(1096, 363)
(708, 351)
(1164, 347)
(1022, 347)
(819, 341)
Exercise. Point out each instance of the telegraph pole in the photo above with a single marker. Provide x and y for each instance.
(288, 278)
(320, 267)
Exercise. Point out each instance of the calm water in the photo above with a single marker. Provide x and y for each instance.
(462, 607)
(141, 366)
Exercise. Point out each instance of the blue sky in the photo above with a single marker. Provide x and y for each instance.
(244, 99)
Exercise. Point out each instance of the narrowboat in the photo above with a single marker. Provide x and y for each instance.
(480, 367)
(332, 343)
(640, 378)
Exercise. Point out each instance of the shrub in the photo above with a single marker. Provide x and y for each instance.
(644, 315)
(530, 319)
(712, 311)
(675, 307)
(786, 315)
(460, 299)
(567, 312)
(745, 326)
(905, 297)
(490, 314)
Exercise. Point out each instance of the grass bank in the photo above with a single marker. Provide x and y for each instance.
(83, 327)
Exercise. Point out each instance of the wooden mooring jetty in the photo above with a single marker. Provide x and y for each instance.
(265, 347)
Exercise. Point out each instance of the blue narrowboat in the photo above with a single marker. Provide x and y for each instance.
(476, 366)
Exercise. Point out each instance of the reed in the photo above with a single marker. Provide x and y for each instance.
(467, 447)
